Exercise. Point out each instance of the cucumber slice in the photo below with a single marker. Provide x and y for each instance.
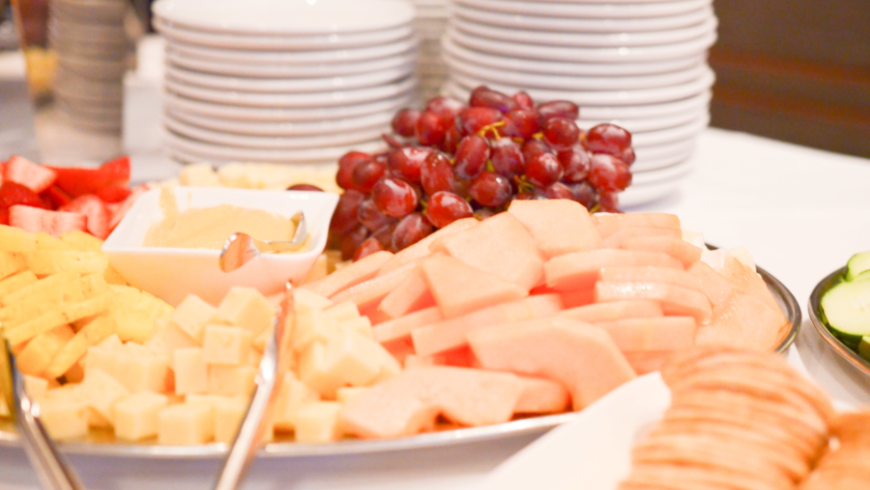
(864, 347)
(857, 264)
(846, 307)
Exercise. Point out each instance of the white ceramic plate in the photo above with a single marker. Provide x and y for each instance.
(317, 99)
(671, 135)
(262, 128)
(341, 55)
(603, 113)
(570, 24)
(283, 70)
(568, 68)
(241, 41)
(671, 51)
(588, 10)
(663, 151)
(643, 194)
(653, 165)
(666, 174)
(575, 82)
(284, 114)
(285, 17)
(287, 85)
(584, 39)
(601, 97)
(650, 124)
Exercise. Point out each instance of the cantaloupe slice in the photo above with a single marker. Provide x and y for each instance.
(580, 356)
(579, 270)
(369, 293)
(411, 295)
(666, 275)
(400, 349)
(361, 270)
(743, 322)
(459, 357)
(675, 300)
(459, 288)
(615, 240)
(421, 249)
(401, 327)
(614, 310)
(542, 395)
(608, 224)
(748, 281)
(651, 334)
(409, 402)
(559, 226)
(500, 245)
(644, 362)
(580, 297)
(713, 284)
(678, 248)
(450, 334)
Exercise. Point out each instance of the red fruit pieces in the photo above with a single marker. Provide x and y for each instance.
(95, 209)
(54, 223)
(78, 181)
(115, 193)
(118, 211)
(55, 197)
(14, 193)
(35, 177)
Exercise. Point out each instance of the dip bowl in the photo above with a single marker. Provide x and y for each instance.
(173, 273)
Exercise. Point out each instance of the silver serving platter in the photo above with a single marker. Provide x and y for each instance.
(816, 315)
(102, 443)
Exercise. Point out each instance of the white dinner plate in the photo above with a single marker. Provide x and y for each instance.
(510, 62)
(603, 113)
(671, 51)
(285, 17)
(663, 151)
(285, 114)
(584, 39)
(637, 195)
(276, 70)
(341, 55)
(570, 24)
(648, 124)
(677, 133)
(288, 85)
(241, 41)
(647, 165)
(588, 10)
(669, 173)
(315, 99)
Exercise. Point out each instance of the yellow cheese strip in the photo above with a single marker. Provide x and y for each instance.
(91, 334)
(40, 288)
(10, 263)
(16, 282)
(45, 262)
(53, 319)
(79, 240)
(75, 291)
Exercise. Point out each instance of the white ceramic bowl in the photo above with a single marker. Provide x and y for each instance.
(341, 55)
(267, 128)
(173, 273)
(588, 10)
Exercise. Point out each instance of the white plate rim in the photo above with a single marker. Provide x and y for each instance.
(321, 56)
(588, 10)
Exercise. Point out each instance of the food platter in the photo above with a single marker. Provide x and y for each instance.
(816, 315)
(101, 443)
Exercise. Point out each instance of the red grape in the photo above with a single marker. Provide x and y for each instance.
(445, 106)
(304, 187)
(410, 230)
(608, 173)
(521, 123)
(506, 157)
(407, 162)
(368, 246)
(484, 213)
(543, 169)
(473, 119)
(451, 140)
(524, 100)
(471, 156)
(558, 108)
(628, 156)
(575, 163)
(437, 174)
(384, 234)
(532, 148)
(585, 194)
(431, 128)
(528, 196)
(394, 197)
(344, 217)
(558, 191)
(490, 189)
(609, 202)
(365, 174)
(405, 122)
(371, 217)
(346, 165)
(608, 138)
(446, 207)
(486, 97)
(352, 240)
(560, 133)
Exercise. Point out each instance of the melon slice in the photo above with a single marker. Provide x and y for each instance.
(651, 334)
(580, 356)
(579, 270)
(369, 293)
(559, 226)
(459, 288)
(460, 357)
(743, 322)
(614, 310)
(678, 248)
(748, 281)
(450, 334)
(401, 327)
(421, 249)
(542, 395)
(675, 300)
(407, 403)
(500, 245)
(580, 297)
(713, 284)
(666, 275)
(644, 362)
(411, 295)
(615, 240)
(608, 224)
(361, 270)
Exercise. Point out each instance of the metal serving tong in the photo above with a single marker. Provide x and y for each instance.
(52, 469)
(241, 247)
(273, 366)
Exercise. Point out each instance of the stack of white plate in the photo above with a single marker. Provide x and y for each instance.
(641, 64)
(430, 24)
(92, 47)
(283, 81)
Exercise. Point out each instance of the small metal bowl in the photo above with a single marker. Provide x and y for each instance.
(817, 315)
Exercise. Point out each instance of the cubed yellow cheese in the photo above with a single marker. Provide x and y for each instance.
(10, 264)
(16, 240)
(16, 282)
(231, 380)
(353, 359)
(39, 352)
(314, 370)
(198, 175)
(313, 326)
(167, 337)
(346, 310)
(44, 241)
(100, 391)
(191, 372)
(36, 387)
(136, 415)
(361, 325)
(75, 374)
(79, 240)
(229, 346)
(292, 395)
(261, 340)
(228, 416)
(304, 300)
(4, 409)
(112, 342)
(143, 372)
(135, 312)
(92, 333)
(96, 420)
(64, 419)
(247, 308)
(318, 422)
(347, 393)
(45, 262)
(192, 315)
(186, 424)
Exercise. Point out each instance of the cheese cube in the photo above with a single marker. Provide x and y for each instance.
(313, 326)
(192, 315)
(100, 391)
(304, 300)
(97, 420)
(314, 370)
(185, 424)
(229, 412)
(144, 373)
(64, 419)
(35, 387)
(191, 371)
(136, 349)
(347, 393)
(75, 374)
(231, 380)
(229, 346)
(361, 325)
(168, 337)
(346, 310)
(4, 409)
(111, 342)
(92, 333)
(247, 308)
(136, 415)
(293, 394)
(353, 359)
(318, 422)
(135, 312)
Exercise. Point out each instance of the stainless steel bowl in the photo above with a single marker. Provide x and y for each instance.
(816, 315)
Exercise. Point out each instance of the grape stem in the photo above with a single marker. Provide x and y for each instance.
(491, 127)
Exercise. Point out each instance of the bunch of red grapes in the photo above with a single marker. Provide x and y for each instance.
(454, 161)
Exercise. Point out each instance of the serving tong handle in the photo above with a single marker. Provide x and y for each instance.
(52, 469)
(240, 247)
